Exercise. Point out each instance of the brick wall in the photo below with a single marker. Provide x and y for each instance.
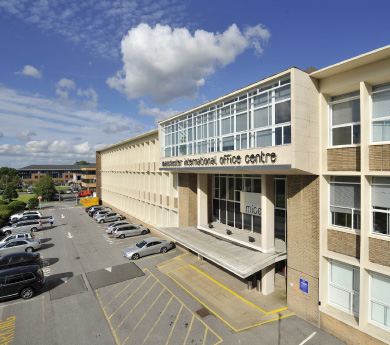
(346, 333)
(379, 251)
(379, 157)
(344, 159)
(188, 209)
(303, 245)
(344, 243)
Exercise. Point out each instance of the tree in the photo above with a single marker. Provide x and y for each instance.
(82, 163)
(45, 188)
(10, 193)
(8, 176)
(32, 203)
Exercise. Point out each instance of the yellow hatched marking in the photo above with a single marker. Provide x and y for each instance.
(143, 316)
(189, 329)
(157, 320)
(109, 290)
(160, 265)
(128, 314)
(205, 336)
(119, 293)
(108, 320)
(220, 317)
(125, 301)
(174, 324)
(204, 324)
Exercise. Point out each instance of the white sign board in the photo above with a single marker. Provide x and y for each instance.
(250, 203)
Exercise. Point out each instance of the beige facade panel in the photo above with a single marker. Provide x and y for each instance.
(344, 159)
(344, 243)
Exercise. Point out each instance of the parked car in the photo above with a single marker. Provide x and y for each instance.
(20, 259)
(19, 245)
(85, 193)
(101, 212)
(151, 245)
(26, 225)
(69, 191)
(89, 208)
(23, 281)
(29, 191)
(109, 217)
(127, 230)
(109, 227)
(21, 234)
(26, 217)
(95, 209)
(17, 216)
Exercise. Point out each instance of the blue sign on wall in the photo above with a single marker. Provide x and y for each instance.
(304, 285)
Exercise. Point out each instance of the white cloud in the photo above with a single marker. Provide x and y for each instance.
(25, 136)
(66, 86)
(157, 113)
(65, 83)
(171, 63)
(115, 128)
(91, 95)
(1, 134)
(30, 71)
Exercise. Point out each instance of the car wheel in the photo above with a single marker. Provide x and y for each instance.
(101, 221)
(34, 229)
(118, 219)
(144, 232)
(122, 236)
(29, 249)
(7, 232)
(135, 256)
(27, 293)
(163, 250)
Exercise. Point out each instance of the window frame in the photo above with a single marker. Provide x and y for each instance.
(352, 96)
(384, 88)
(373, 300)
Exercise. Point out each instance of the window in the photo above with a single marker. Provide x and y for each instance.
(344, 283)
(345, 119)
(345, 202)
(17, 278)
(380, 300)
(380, 199)
(380, 113)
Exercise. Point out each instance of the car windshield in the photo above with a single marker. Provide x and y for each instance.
(29, 239)
(141, 244)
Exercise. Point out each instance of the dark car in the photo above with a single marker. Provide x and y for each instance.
(20, 259)
(94, 210)
(24, 281)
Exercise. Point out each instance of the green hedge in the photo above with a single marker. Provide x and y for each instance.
(5, 214)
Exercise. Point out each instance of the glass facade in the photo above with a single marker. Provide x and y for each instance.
(381, 113)
(380, 199)
(259, 118)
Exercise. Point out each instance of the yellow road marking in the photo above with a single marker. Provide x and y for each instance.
(157, 320)
(205, 336)
(174, 324)
(189, 329)
(108, 320)
(124, 302)
(109, 290)
(119, 293)
(220, 317)
(43, 309)
(179, 257)
(128, 314)
(143, 316)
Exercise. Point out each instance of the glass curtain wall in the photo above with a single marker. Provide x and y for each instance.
(226, 200)
(259, 118)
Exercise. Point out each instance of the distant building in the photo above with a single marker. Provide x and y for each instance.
(88, 177)
(59, 173)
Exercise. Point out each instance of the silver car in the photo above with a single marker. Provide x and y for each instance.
(22, 235)
(127, 230)
(19, 245)
(111, 226)
(25, 225)
(151, 245)
(101, 212)
(108, 217)
(17, 216)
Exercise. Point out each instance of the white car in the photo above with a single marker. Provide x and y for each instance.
(17, 216)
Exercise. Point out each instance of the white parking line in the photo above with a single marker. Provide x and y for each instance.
(45, 266)
(308, 338)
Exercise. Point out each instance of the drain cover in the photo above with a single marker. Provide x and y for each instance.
(202, 313)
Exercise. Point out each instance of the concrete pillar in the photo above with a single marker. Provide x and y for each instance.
(268, 280)
(267, 213)
(202, 200)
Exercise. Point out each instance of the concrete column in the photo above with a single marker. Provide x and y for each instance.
(267, 213)
(268, 280)
(202, 200)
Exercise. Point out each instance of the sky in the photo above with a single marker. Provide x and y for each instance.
(78, 76)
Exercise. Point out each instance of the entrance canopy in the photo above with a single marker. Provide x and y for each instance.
(241, 260)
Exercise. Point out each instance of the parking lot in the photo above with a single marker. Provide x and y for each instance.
(94, 295)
